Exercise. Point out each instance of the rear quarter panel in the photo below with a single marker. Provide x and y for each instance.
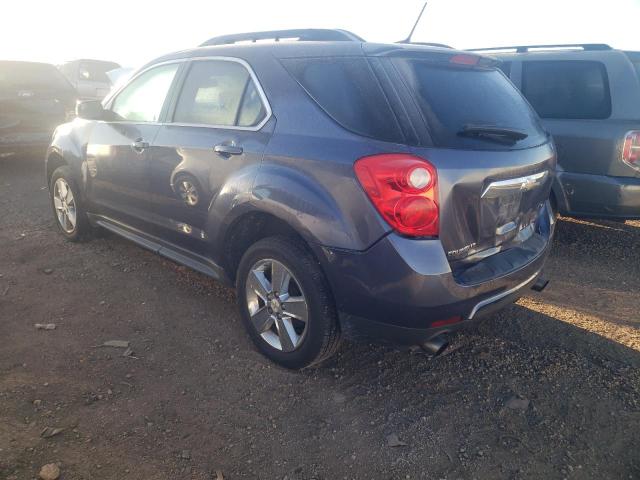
(306, 178)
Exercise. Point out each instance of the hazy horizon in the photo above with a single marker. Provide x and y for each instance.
(132, 33)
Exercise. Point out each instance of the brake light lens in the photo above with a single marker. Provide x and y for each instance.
(403, 188)
(631, 149)
(464, 59)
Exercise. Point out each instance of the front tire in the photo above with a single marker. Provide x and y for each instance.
(68, 210)
(286, 304)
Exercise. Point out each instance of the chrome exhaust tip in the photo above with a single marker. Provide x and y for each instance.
(540, 285)
(436, 345)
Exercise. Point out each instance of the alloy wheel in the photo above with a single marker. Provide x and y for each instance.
(277, 306)
(65, 205)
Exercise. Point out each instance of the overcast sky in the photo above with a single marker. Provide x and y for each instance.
(133, 31)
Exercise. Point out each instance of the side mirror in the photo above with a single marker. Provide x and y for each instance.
(90, 110)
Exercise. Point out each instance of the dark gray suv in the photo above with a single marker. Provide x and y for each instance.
(343, 187)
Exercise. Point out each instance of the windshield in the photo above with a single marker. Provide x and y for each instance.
(452, 99)
(31, 76)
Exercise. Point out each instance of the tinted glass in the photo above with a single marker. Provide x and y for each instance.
(143, 98)
(452, 98)
(252, 110)
(346, 89)
(26, 76)
(567, 89)
(506, 68)
(96, 71)
(219, 93)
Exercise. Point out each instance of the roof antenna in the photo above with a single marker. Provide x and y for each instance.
(408, 39)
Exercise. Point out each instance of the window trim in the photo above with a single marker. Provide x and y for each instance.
(605, 77)
(176, 88)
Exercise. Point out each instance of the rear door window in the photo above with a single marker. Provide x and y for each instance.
(219, 93)
(567, 89)
(453, 98)
(347, 90)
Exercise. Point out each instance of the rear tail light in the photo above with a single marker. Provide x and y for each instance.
(631, 149)
(403, 188)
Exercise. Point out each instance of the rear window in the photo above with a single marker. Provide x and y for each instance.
(347, 90)
(567, 89)
(27, 76)
(96, 71)
(452, 98)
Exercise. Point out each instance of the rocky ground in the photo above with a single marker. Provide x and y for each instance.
(549, 388)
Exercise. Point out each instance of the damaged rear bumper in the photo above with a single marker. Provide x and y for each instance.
(405, 291)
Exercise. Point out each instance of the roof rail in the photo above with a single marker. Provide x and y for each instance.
(427, 44)
(529, 48)
(301, 35)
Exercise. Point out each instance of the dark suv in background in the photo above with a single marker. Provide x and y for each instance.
(34, 99)
(341, 186)
(588, 97)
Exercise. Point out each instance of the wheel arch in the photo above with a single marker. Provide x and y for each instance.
(55, 160)
(251, 227)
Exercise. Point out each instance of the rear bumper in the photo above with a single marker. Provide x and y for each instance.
(398, 288)
(601, 195)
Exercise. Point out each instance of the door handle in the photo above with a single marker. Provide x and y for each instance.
(227, 150)
(139, 145)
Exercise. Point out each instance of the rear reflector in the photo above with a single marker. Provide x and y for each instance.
(448, 321)
(631, 149)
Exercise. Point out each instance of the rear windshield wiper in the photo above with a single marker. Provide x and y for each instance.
(491, 132)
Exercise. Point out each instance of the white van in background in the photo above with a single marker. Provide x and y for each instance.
(89, 77)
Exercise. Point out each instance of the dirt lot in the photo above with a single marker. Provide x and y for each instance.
(549, 388)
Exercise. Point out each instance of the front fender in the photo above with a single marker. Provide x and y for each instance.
(68, 142)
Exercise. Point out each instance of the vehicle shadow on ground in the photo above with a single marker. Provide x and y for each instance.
(519, 326)
(513, 386)
(593, 268)
(571, 230)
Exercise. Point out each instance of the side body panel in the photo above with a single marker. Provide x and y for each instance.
(185, 156)
(306, 178)
(118, 182)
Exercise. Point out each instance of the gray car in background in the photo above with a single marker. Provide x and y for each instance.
(343, 187)
(588, 97)
(89, 77)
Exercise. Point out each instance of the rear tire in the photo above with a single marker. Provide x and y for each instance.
(66, 203)
(293, 321)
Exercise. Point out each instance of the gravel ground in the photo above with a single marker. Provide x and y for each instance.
(549, 388)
